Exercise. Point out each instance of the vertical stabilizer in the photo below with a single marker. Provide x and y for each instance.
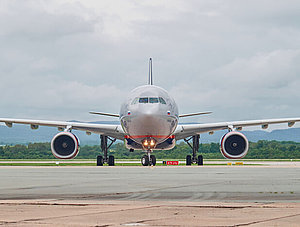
(150, 80)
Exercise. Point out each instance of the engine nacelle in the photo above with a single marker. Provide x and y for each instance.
(234, 145)
(65, 145)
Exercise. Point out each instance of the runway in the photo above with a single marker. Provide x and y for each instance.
(231, 183)
(261, 193)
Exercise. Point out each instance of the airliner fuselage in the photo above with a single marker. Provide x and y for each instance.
(148, 115)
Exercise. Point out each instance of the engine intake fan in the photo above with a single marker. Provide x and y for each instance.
(65, 145)
(234, 145)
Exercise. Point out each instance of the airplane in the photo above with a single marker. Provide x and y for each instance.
(149, 121)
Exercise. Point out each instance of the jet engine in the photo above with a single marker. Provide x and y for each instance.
(65, 145)
(234, 145)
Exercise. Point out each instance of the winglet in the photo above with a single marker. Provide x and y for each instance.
(150, 80)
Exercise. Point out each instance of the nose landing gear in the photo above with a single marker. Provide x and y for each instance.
(149, 159)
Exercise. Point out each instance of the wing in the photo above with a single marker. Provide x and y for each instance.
(114, 131)
(186, 130)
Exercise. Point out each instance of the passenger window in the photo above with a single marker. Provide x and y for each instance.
(153, 100)
(162, 101)
(143, 100)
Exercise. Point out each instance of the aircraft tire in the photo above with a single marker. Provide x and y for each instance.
(99, 160)
(152, 160)
(200, 160)
(145, 160)
(188, 160)
(111, 160)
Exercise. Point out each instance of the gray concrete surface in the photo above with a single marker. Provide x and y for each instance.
(150, 196)
(228, 183)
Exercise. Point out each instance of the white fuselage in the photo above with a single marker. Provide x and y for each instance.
(149, 113)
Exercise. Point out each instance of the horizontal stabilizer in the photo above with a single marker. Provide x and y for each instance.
(105, 114)
(194, 114)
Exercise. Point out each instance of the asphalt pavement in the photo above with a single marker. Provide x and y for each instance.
(150, 196)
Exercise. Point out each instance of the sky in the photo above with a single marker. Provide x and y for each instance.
(61, 59)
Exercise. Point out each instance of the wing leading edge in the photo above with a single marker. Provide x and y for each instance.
(186, 130)
(114, 131)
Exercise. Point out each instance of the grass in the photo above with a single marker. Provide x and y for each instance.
(46, 164)
(209, 160)
(94, 164)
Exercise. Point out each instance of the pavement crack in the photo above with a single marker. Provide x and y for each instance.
(147, 220)
(219, 207)
(227, 206)
(271, 219)
(77, 215)
(47, 204)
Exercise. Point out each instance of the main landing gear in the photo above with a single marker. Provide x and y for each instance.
(149, 159)
(195, 147)
(110, 160)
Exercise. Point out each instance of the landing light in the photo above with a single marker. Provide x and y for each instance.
(149, 143)
(152, 143)
(145, 143)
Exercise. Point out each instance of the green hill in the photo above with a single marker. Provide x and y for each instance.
(258, 150)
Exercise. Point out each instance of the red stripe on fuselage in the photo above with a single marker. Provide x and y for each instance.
(149, 136)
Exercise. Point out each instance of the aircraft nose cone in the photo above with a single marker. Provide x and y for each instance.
(147, 118)
(149, 110)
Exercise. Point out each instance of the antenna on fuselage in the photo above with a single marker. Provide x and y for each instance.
(150, 80)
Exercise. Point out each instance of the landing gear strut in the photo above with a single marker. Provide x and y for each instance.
(110, 160)
(149, 159)
(195, 147)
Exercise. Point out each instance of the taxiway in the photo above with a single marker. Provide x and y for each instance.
(207, 196)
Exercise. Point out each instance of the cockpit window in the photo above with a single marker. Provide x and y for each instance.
(153, 100)
(134, 101)
(148, 100)
(162, 101)
(143, 100)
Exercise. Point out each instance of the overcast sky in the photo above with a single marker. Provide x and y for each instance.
(61, 59)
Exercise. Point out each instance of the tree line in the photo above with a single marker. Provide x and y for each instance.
(259, 150)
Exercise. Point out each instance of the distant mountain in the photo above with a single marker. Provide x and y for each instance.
(23, 134)
(291, 134)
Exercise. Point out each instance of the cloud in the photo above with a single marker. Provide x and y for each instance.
(61, 59)
(249, 87)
